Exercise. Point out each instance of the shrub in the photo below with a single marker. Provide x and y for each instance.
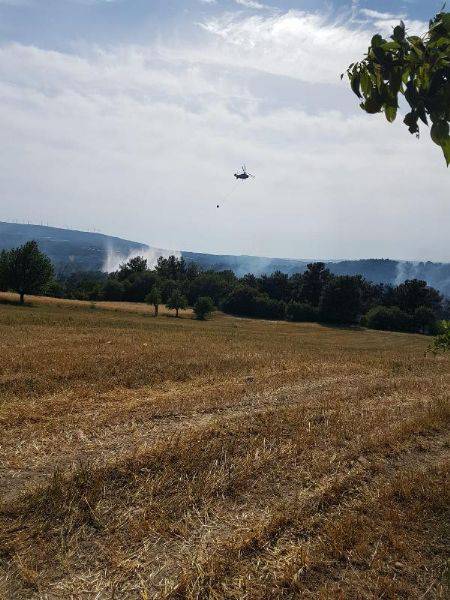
(424, 319)
(267, 308)
(248, 302)
(96, 292)
(388, 319)
(208, 285)
(242, 301)
(301, 311)
(203, 307)
(441, 342)
(54, 289)
(113, 290)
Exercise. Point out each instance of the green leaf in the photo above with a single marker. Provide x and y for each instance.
(372, 105)
(422, 114)
(366, 83)
(411, 122)
(391, 46)
(440, 132)
(410, 119)
(399, 32)
(418, 68)
(439, 43)
(380, 55)
(377, 40)
(395, 80)
(355, 84)
(445, 20)
(391, 113)
(446, 149)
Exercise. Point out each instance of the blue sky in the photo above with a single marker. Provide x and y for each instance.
(130, 117)
(58, 23)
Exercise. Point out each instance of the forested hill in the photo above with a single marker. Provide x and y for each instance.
(242, 264)
(72, 251)
(69, 250)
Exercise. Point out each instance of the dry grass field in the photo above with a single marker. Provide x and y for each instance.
(169, 458)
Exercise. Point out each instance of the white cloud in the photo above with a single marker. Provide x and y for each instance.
(375, 14)
(143, 143)
(302, 45)
(307, 46)
(251, 4)
(384, 22)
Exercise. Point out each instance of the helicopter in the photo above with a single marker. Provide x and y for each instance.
(244, 174)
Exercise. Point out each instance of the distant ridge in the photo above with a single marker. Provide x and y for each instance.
(71, 250)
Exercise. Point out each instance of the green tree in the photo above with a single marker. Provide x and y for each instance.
(417, 68)
(341, 300)
(413, 293)
(441, 342)
(55, 289)
(302, 312)
(138, 285)
(313, 281)
(242, 301)
(249, 280)
(269, 308)
(154, 298)
(168, 287)
(388, 318)
(177, 301)
(203, 307)
(173, 268)
(27, 270)
(424, 319)
(113, 289)
(85, 285)
(3, 270)
(138, 264)
(210, 284)
(276, 286)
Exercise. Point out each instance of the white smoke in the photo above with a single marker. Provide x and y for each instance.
(115, 258)
(436, 275)
(407, 270)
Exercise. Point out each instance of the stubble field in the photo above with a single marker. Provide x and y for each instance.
(233, 458)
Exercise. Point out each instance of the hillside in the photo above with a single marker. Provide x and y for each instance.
(72, 250)
(176, 459)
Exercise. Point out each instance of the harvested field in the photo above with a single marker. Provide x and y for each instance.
(233, 458)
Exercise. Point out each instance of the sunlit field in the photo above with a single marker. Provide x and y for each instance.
(232, 458)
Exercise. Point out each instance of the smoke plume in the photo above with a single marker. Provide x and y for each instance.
(114, 258)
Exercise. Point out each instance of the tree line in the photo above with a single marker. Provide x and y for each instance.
(313, 296)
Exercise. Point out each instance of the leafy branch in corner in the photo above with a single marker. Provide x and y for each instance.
(416, 67)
